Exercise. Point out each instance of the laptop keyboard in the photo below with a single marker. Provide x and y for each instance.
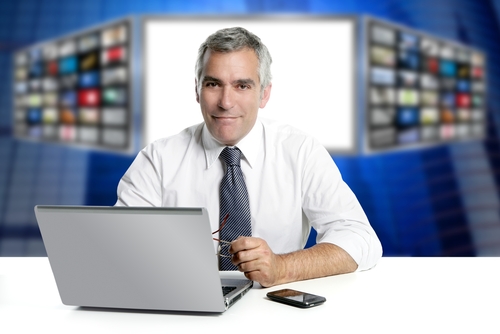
(227, 289)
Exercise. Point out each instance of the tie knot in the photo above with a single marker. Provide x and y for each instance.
(231, 156)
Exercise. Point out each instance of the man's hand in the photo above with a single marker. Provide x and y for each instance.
(254, 257)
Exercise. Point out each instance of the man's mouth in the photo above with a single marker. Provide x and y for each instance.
(225, 118)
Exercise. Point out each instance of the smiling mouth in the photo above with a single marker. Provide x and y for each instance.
(224, 118)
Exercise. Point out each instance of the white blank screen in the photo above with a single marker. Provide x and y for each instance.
(313, 74)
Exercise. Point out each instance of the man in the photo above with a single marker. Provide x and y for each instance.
(290, 182)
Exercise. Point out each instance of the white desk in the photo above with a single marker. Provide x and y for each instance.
(400, 295)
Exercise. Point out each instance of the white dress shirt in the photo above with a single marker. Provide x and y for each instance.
(292, 184)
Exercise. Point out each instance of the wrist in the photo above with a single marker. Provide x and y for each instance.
(284, 276)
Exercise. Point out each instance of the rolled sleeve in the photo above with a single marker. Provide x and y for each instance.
(334, 211)
(356, 238)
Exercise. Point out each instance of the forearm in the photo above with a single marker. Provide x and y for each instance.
(323, 259)
(254, 257)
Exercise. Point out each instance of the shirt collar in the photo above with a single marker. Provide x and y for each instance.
(249, 145)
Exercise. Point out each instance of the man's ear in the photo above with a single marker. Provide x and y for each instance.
(266, 94)
(196, 90)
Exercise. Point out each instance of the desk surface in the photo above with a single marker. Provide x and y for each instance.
(400, 295)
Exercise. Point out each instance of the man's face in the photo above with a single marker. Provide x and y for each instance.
(230, 94)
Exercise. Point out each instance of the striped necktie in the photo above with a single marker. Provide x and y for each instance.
(233, 200)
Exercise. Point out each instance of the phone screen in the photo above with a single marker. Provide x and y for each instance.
(296, 298)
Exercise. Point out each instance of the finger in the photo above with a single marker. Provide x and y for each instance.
(246, 258)
(244, 243)
(263, 255)
(253, 275)
(249, 266)
(246, 255)
(252, 261)
(243, 257)
(262, 277)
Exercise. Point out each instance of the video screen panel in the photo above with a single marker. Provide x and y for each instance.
(76, 89)
(314, 85)
(421, 89)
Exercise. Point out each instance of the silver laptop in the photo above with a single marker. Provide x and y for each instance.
(136, 258)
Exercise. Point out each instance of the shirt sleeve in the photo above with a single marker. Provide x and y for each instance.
(141, 184)
(334, 211)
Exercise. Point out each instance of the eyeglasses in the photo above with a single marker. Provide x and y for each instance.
(222, 242)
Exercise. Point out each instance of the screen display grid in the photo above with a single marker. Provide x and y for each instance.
(75, 90)
(421, 90)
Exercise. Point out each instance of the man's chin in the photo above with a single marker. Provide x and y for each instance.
(225, 135)
(226, 138)
(227, 141)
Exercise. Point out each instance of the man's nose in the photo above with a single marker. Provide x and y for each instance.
(226, 99)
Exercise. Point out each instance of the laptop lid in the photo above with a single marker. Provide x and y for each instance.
(135, 258)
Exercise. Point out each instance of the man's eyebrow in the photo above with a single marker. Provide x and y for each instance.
(244, 82)
(209, 78)
(235, 82)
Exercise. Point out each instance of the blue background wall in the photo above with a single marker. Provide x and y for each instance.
(429, 202)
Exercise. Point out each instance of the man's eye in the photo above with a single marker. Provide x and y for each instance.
(211, 84)
(243, 87)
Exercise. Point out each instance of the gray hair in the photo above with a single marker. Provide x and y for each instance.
(235, 39)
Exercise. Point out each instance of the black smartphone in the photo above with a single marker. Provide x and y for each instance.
(296, 298)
